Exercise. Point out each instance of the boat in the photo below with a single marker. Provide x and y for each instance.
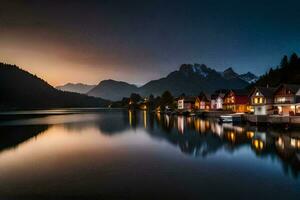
(230, 118)
(225, 119)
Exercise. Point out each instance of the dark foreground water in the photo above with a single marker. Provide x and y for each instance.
(115, 154)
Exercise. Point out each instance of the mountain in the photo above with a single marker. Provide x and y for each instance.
(22, 90)
(113, 90)
(76, 87)
(229, 74)
(249, 77)
(189, 79)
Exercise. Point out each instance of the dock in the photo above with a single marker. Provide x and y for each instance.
(272, 119)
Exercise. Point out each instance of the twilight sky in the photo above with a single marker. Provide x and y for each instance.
(136, 41)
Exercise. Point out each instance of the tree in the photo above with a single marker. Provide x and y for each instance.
(284, 62)
(134, 97)
(166, 100)
(287, 72)
(293, 60)
(151, 98)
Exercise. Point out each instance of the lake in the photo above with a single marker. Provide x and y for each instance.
(117, 154)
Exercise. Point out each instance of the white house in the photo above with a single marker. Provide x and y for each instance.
(261, 99)
(217, 101)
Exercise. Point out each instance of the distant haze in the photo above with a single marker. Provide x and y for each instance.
(138, 41)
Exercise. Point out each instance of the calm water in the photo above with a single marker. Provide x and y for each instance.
(121, 155)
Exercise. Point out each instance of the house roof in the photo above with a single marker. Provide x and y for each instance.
(266, 91)
(222, 95)
(240, 92)
(189, 99)
(217, 94)
(214, 96)
(203, 97)
(293, 87)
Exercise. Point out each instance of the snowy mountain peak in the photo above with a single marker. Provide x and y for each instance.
(249, 77)
(199, 69)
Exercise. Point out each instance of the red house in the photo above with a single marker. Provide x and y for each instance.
(236, 101)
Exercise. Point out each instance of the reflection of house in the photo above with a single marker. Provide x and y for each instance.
(288, 144)
(287, 99)
(202, 102)
(261, 99)
(236, 101)
(216, 101)
(186, 103)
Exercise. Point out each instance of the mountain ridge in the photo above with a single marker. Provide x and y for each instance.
(113, 90)
(23, 90)
(189, 79)
(80, 88)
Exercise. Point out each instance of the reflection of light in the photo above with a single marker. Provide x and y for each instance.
(207, 125)
(280, 142)
(130, 117)
(167, 120)
(180, 124)
(235, 128)
(239, 129)
(250, 134)
(258, 144)
(157, 109)
(145, 118)
(197, 124)
(189, 120)
(231, 136)
(202, 126)
(158, 116)
(295, 143)
(218, 129)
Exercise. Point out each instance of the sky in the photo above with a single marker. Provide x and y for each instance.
(137, 41)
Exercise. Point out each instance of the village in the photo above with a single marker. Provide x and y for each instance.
(260, 105)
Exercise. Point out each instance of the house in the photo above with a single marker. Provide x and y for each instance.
(236, 101)
(216, 100)
(213, 101)
(202, 102)
(287, 99)
(262, 99)
(186, 103)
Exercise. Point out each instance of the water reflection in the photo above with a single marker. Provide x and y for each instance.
(192, 135)
(92, 141)
(12, 136)
(199, 137)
